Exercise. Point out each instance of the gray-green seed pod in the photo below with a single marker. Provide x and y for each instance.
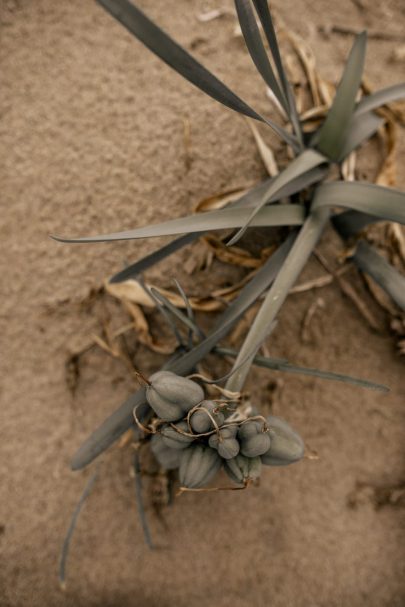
(286, 446)
(255, 445)
(201, 422)
(241, 469)
(253, 441)
(174, 439)
(167, 458)
(171, 396)
(250, 428)
(198, 466)
(225, 443)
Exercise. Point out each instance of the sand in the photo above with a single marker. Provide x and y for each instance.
(91, 127)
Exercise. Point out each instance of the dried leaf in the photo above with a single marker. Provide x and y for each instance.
(387, 173)
(220, 200)
(211, 15)
(307, 59)
(130, 290)
(233, 255)
(265, 152)
(141, 328)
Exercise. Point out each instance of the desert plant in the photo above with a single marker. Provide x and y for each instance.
(167, 405)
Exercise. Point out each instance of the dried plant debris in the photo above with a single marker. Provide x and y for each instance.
(311, 183)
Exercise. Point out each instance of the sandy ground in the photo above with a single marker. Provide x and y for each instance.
(91, 129)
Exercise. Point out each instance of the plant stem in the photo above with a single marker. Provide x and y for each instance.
(295, 261)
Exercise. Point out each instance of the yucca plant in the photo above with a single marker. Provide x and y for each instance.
(302, 197)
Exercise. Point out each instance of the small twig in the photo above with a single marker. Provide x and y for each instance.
(352, 31)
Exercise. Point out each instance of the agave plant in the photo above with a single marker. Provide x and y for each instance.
(313, 200)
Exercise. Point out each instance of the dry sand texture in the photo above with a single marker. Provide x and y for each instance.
(91, 131)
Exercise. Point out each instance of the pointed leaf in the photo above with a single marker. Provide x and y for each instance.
(256, 49)
(153, 258)
(285, 366)
(180, 60)
(246, 200)
(379, 98)
(302, 248)
(306, 161)
(334, 130)
(262, 10)
(386, 203)
(361, 127)
(368, 260)
(280, 215)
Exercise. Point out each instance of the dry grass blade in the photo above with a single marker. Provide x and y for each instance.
(265, 152)
(388, 170)
(220, 200)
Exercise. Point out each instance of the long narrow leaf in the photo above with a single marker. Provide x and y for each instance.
(296, 259)
(248, 199)
(117, 423)
(361, 128)
(306, 161)
(262, 10)
(334, 130)
(281, 215)
(379, 98)
(180, 60)
(349, 223)
(368, 260)
(386, 203)
(256, 49)
(72, 526)
(153, 258)
(284, 365)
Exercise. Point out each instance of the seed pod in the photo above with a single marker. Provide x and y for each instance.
(168, 458)
(249, 428)
(226, 443)
(174, 439)
(171, 395)
(255, 445)
(199, 464)
(253, 441)
(201, 422)
(241, 469)
(286, 446)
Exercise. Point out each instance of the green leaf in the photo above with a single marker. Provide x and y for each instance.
(305, 162)
(263, 12)
(122, 419)
(285, 366)
(256, 49)
(301, 250)
(379, 98)
(180, 60)
(153, 258)
(368, 260)
(246, 200)
(385, 203)
(349, 223)
(281, 215)
(361, 128)
(333, 133)
(72, 526)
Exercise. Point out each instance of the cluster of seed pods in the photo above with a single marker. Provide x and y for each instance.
(195, 436)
